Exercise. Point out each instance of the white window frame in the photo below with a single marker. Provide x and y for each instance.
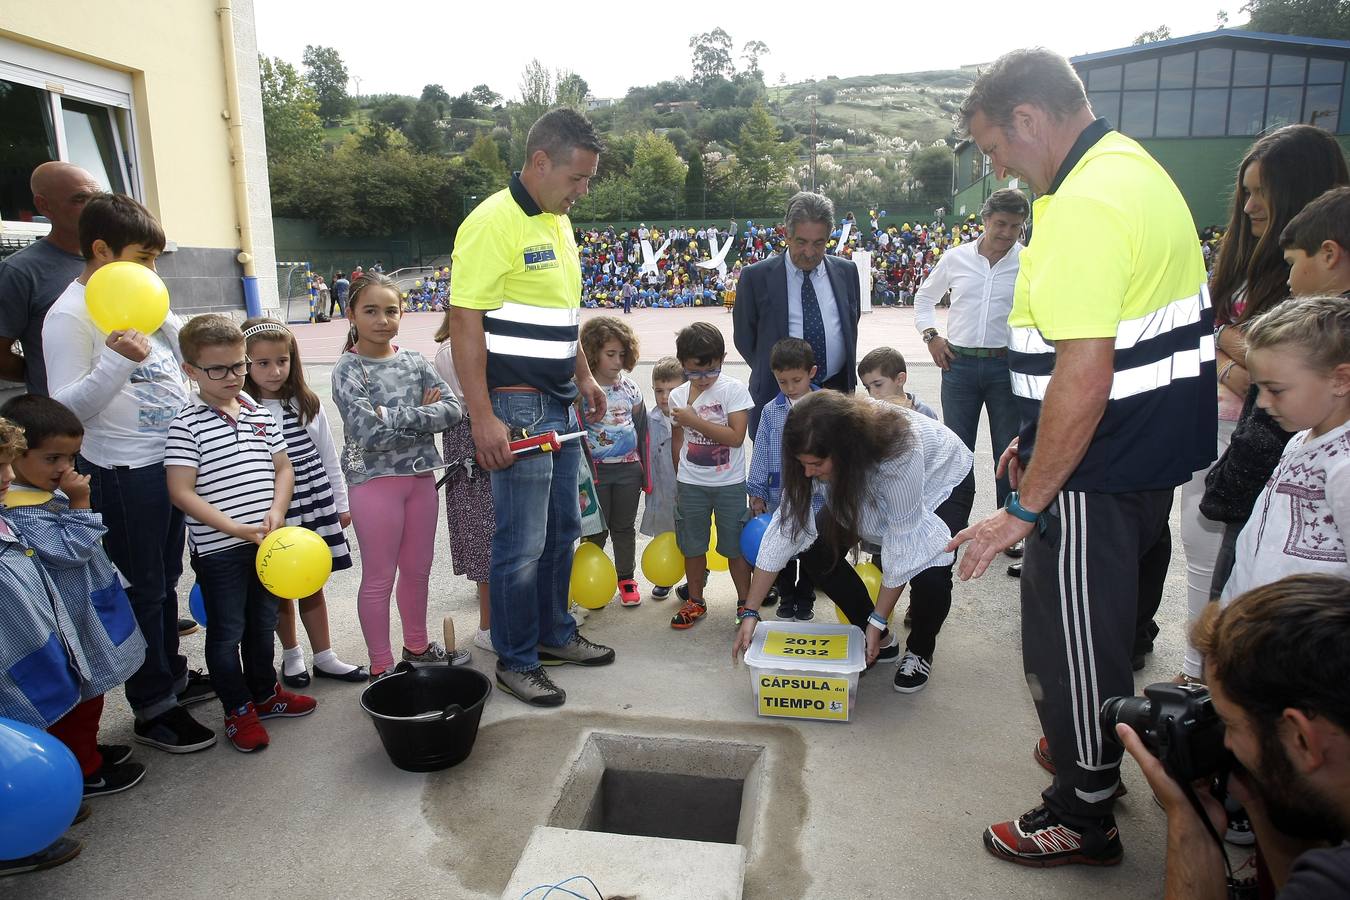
(64, 76)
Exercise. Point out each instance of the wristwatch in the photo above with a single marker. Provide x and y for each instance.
(929, 334)
(1014, 506)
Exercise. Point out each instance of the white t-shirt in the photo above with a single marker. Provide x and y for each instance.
(126, 406)
(703, 460)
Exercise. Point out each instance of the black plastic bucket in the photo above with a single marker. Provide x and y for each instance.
(427, 718)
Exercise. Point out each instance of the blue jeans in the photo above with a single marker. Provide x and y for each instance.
(967, 386)
(241, 618)
(145, 542)
(538, 522)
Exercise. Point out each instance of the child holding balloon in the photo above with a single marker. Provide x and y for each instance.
(618, 443)
(227, 470)
(658, 512)
(392, 404)
(319, 501)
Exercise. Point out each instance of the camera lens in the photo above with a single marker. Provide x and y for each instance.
(1133, 711)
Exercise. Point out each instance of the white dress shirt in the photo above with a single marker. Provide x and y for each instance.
(829, 313)
(982, 296)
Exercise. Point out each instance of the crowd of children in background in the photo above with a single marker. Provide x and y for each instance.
(99, 483)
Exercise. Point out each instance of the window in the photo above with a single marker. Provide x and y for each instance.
(1107, 105)
(1104, 79)
(1174, 113)
(1249, 68)
(1211, 67)
(1136, 114)
(1210, 116)
(1246, 110)
(59, 107)
(1283, 105)
(1177, 71)
(1286, 69)
(1142, 75)
(1323, 106)
(1325, 71)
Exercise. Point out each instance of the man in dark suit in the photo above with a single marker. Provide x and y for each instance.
(803, 294)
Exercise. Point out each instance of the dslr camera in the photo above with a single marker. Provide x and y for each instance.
(1178, 724)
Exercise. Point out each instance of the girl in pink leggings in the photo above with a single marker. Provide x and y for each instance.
(392, 404)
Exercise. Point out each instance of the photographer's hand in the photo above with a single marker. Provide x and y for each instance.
(1195, 863)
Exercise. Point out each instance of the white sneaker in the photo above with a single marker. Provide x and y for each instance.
(483, 640)
(436, 655)
(578, 614)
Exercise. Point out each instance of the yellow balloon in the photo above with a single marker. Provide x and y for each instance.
(294, 562)
(716, 561)
(594, 578)
(662, 561)
(124, 295)
(871, 578)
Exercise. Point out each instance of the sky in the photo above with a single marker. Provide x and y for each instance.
(397, 46)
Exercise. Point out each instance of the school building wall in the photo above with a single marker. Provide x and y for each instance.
(211, 197)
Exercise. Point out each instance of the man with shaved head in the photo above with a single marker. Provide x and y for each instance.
(32, 279)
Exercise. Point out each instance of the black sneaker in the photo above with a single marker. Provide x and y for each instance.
(889, 651)
(787, 608)
(1015, 570)
(175, 732)
(912, 674)
(198, 689)
(805, 610)
(187, 626)
(62, 850)
(114, 754)
(1039, 839)
(1239, 829)
(113, 779)
(533, 686)
(770, 598)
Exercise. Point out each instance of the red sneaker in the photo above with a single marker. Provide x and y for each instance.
(244, 730)
(1039, 839)
(629, 595)
(285, 705)
(1042, 755)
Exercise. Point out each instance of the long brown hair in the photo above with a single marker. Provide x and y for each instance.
(294, 388)
(856, 435)
(1298, 163)
(367, 281)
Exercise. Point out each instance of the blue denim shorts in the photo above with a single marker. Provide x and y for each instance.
(695, 505)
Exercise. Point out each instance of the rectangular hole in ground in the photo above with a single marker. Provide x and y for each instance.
(672, 788)
(665, 805)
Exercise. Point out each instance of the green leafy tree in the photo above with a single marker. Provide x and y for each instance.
(931, 167)
(485, 96)
(1161, 33)
(571, 91)
(463, 107)
(327, 75)
(658, 173)
(827, 96)
(484, 151)
(710, 55)
(424, 130)
(395, 112)
(751, 53)
(436, 94)
(762, 160)
(614, 198)
(1311, 18)
(536, 98)
(290, 112)
(695, 185)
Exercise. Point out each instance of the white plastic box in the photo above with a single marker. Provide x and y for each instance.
(800, 670)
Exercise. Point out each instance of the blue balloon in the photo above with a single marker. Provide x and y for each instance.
(197, 605)
(752, 533)
(40, 789)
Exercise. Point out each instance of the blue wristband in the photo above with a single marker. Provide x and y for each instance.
(877, 620)
(1014, 506)
(747, 613)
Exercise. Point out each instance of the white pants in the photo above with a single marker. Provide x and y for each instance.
(1201, 538)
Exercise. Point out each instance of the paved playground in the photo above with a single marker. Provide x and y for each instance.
(890, 804)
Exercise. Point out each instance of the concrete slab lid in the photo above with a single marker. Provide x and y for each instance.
(622, 865)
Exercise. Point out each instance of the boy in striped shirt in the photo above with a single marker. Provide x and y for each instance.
(228, 472)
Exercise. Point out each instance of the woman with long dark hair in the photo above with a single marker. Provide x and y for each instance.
(884, 470)
(1281, 173)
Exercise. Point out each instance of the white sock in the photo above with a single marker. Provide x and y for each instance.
(329, 662)
(292, 660)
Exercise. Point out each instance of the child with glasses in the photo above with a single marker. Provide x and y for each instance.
(709, 416)
(228, 471)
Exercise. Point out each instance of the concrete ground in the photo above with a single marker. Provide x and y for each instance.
(889, 805)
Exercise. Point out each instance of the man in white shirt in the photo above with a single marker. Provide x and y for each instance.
(974, 354)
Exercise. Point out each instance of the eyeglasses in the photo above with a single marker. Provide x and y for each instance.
(219, 373)
(705, 373)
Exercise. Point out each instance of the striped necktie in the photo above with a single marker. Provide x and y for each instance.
(813, 326)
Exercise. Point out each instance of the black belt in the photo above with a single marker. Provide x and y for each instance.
(979, 352)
